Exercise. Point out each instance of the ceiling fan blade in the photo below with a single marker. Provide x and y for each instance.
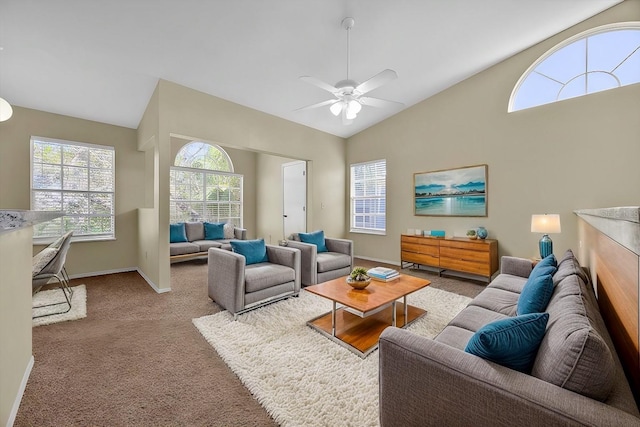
(319, 104)
(379, 103)
(320, 84)
(376, 81)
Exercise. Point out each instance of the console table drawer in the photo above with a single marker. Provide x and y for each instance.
(423, 259)
(419, 240)
(465, 266)
(464, 254)
(420, 249)
(474, 245)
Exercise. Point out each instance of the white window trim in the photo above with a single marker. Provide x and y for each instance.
(630, 25)
(352, 228)
(81, 238)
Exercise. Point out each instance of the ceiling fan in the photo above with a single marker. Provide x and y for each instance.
(349, 93)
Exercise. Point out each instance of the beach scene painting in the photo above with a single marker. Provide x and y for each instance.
(451, 192)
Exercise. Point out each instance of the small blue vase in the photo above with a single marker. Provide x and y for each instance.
(482, 233)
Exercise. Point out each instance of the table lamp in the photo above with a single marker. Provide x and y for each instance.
(546, 224)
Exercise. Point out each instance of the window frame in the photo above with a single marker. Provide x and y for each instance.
(38, 240)
(617, 26)
(353, 198)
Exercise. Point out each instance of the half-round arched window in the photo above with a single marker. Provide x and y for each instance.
(203, 186)
(599, 59)
(200, 155)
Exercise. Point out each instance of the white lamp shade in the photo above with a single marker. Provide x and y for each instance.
(547, 223)
(5, 110)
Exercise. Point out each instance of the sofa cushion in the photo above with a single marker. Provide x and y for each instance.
(573, 353)
(229, 230)
(315, 238)
(535, 295)
(177, 233)
(329, 261)
(183, 248)
(567, 266)
(454, 336)
(512, 342)
(508, 282)
(254, 251)
(473, 318)
(213, 230)
(497, 300)
(195, 231)
(265, 275)
(204, 245)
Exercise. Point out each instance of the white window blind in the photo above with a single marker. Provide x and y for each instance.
(78, 179)
(205, 195)
(368, 197)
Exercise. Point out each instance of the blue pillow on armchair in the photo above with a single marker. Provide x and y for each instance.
(315, 238)
(254, 251)
(177, 233)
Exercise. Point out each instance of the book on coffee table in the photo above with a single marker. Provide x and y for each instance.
(383, 274)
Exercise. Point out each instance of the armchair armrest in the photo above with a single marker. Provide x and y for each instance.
(286, 256)
(425, 382)
(516, 266)
(226, 279)
(240, 233)
(308, 261)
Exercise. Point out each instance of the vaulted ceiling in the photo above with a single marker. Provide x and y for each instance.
(101, 60)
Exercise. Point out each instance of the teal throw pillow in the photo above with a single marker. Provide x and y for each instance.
(254, 251)
(548, 265)
(213, 230)
(316, 238)
(535, 295)
(511, 342)
(177, 233)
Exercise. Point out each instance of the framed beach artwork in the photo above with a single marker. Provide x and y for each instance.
(451, 192)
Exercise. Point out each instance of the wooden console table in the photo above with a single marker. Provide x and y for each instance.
(456, 254)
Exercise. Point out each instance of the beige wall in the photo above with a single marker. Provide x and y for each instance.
(574, 154)
(15, 317)
(84, 257)
(187, 113)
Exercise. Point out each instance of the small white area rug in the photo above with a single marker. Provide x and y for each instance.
(78, 306)
(299, 376)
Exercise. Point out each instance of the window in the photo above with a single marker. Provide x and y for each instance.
(203, 186)
(368, 197)
(76, 178)
(599, 59)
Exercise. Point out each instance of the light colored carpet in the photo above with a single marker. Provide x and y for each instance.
(78, 306)
(301, 377)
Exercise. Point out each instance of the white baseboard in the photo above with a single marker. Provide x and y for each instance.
(18, 399)
(384, 261)
(121, 270)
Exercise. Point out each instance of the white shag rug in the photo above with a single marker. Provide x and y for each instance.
(78, 306)
(299, 376)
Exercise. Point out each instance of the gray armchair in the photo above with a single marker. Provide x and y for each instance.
(48, 267)
(320, 267)
(239, 288)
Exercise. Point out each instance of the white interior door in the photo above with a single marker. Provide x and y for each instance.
(294, 197)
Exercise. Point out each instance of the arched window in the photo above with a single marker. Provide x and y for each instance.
(203, 186)
(600, 59)
(200, 155)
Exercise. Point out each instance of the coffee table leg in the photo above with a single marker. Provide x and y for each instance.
(333, 319)
(393, 315)
(405, 311)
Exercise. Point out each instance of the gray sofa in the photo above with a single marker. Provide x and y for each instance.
(197, 246)
(318, 267)
(239, 288)
(577, 378)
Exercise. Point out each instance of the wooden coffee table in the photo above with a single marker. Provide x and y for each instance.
(365, 313)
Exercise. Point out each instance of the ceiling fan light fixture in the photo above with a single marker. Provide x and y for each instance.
(5, 110)
(354, 107)
(336, 108)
